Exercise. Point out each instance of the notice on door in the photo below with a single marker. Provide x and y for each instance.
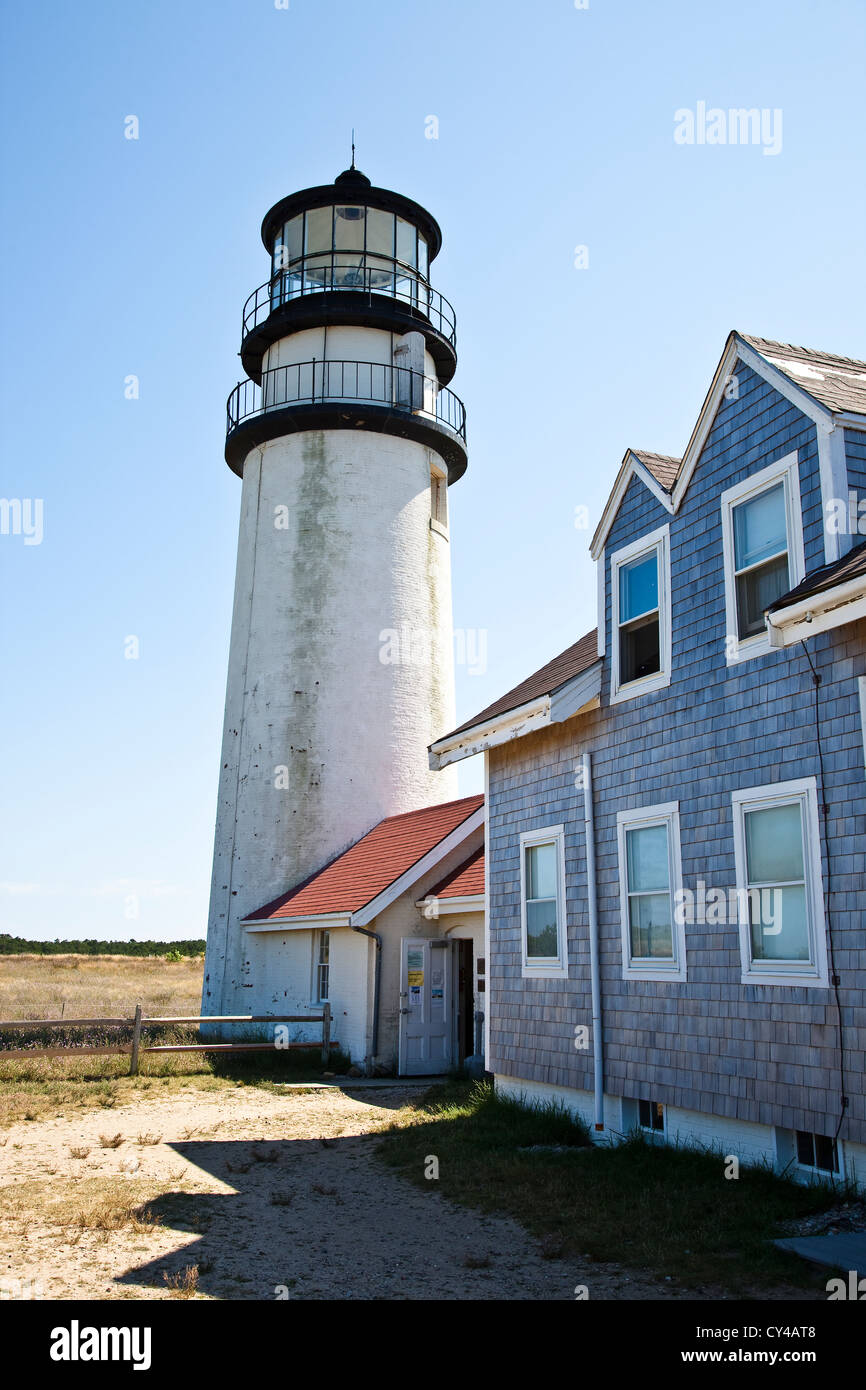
(416, 979)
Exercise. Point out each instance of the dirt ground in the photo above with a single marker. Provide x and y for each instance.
(267, 1195)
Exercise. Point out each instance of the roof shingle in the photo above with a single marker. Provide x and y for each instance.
(466, 881)
(836, 382)
(850, 566)
(562, 668)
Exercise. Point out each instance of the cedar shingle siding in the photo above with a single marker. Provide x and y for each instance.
(763, 1053)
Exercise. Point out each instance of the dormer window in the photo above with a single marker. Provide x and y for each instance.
(760, 557)
(762, 535)
(640, 608)
(639, 653)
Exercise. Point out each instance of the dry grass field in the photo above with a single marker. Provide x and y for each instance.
(39, 987)
(35, 986)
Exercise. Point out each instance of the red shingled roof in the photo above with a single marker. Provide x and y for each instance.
(372, 864)
(466, 881)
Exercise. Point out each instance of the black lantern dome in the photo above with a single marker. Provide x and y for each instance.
(349, 253)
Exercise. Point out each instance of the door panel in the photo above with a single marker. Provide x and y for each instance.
(426, 1022)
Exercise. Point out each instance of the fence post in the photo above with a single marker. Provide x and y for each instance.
(326, 1034)
(136, 1039)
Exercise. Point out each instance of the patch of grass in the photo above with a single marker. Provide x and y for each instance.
(79, 1153)
(183, 1284)
(668, 1211)
(110, 1141)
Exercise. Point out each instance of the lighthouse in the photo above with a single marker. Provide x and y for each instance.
(346, 437)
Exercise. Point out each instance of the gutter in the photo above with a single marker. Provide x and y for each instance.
(377, 976)
(594, 968)
(784, 624)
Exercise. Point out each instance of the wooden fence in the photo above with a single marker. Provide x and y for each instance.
(139, 1022)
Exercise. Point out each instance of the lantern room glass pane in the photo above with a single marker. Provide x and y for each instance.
(406, 237)
(380, 232)
(349, 229)
(422, 256)
(293, 238)
(319, 230)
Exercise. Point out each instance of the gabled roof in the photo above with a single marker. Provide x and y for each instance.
(850, 566)
(821, 384)
(562, 668)
(663, 467)
(372, 864)
(836, 382)
(466, 881)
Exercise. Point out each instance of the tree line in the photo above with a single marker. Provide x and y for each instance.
(61, 946)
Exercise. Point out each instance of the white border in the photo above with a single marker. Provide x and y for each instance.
(786, 471)
(666, 813)
(545, 969)
(804, 790)
(660, 542)
(861, 688)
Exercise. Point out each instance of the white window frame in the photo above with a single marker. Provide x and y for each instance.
(786, 471)
(640, 817)
(317, 950)
(535, 968)
(438, 501)
(659, 541)
(814, 973)
(650, 1129)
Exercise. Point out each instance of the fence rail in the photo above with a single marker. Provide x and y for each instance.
(139, 1022)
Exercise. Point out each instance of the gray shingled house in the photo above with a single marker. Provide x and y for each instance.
(676, 805)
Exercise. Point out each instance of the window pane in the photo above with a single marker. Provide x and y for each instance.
(639, 650)
(779, 924)
(541, 871)
(380, 232)
(292, 238)
(319, 230)
(324, 947)
(650, 927)
(405, 242)
(825, 1154)
(805, 1148)
(638, 587)
(756, 590)
(759, 527)
(774, 844)
(349, 228)
(422, 256)
(647, 856)
(541, 929)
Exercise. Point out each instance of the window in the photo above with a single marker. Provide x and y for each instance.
(653, 940)
(762, 539)
(651, 1115)
(439, 500)
(322, 948)
(817, 1151)
(542, 900)
(640, 607)
(779, 893)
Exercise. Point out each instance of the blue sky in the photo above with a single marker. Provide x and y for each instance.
(121, 257)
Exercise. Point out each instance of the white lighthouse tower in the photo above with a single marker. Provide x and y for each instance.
(341, 662)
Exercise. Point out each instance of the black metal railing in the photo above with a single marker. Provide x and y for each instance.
(393, 281)
(372, 383)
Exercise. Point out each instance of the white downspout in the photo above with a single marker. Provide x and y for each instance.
(597, 1037)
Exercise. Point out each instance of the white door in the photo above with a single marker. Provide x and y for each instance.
(426, 1024)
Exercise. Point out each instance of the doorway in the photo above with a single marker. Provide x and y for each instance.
(427, 1031)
